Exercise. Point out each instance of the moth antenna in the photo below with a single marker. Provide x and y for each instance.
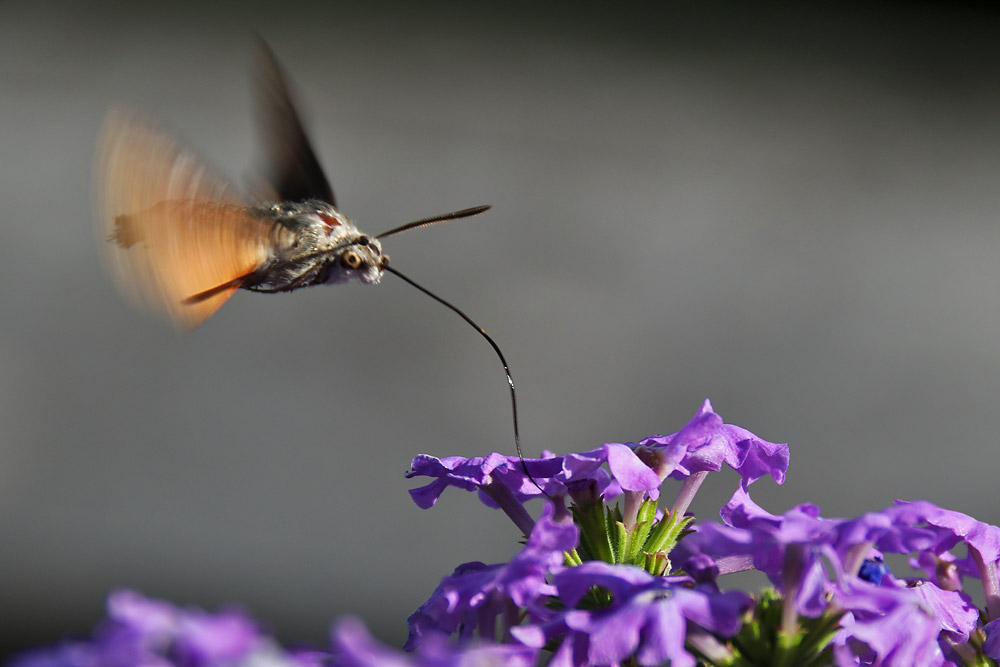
(493, 344)
(433, 220)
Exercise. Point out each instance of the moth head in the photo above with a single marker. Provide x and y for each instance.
(362, 260)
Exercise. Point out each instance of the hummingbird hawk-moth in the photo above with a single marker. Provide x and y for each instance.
(182, 240)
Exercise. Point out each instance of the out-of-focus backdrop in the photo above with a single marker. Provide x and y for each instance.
(793, 212)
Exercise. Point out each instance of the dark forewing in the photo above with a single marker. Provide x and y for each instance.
(291, 165)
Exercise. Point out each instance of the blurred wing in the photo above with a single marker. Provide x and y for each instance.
(291, 165)
(173, 231)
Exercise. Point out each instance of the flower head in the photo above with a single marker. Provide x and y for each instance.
(704, 444)
(470, 600)
(646, 616)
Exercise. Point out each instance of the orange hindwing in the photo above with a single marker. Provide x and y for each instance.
(178, 239)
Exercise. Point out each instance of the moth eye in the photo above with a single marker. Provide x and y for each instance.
(351, 259)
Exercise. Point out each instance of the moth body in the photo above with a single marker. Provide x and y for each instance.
(314, 244)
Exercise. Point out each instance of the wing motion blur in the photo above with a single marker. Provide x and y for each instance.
(179, 240)
(292, 168)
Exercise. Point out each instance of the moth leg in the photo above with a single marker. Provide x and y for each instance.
(303, 280)
(209, 293)
(266, 290)
(294, 285)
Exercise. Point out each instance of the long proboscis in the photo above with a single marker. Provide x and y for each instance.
(496, 348)
(433, 220)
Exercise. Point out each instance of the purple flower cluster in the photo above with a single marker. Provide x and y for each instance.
(140, 632)
(643, 582)
(636, 470)
(611, 575)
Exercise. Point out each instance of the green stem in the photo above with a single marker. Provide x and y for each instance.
(664, 537)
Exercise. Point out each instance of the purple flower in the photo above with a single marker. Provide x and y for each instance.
(497, 474)
(141, 632)
(704, 444)
(464, 473)
(472, 598)
(953, 611)
(939, 568)
(930, 532)
(900, 528)
(951, 528)
(355, 647)
(646, 618)
(991, 647)
(886, 626)
(790, 549)
(893, 622)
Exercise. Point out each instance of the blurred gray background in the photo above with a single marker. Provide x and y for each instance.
(792, 212)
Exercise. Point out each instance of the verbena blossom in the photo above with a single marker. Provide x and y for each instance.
(646, 617)
(613, 572)
(469, 602)
(831, 585)
(704, 445)
(796, 549)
